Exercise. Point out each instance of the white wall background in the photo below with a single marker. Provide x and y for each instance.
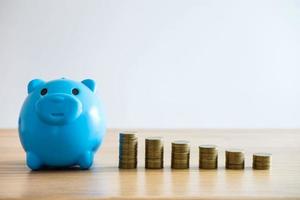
(160, 64)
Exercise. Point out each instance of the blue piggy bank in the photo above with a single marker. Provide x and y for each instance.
(61, 123)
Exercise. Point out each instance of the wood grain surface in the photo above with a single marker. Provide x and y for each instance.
(105, 180)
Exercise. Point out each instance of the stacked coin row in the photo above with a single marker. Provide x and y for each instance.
(180, 154)
(235, 159)
(154, 153)
(128, 150)
(208, 157)
(261, 161)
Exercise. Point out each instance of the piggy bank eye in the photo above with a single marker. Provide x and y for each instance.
(75, 91)
(44, 91)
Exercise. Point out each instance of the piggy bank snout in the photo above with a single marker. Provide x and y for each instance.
(57, 98)
(58, 109)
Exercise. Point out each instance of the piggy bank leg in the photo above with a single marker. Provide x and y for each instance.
(33, 162)
(86, 160)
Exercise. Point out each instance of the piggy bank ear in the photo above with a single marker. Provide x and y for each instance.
(91, 84)
(33, 84)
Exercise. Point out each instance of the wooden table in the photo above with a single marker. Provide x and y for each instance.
(105, 180)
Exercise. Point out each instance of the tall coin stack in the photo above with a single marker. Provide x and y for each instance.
(154, 153)
(208, 157)
(180, 154)
(235, 159)
(128, 150)
(261, 161)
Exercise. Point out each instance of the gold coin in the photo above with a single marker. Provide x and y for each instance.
(178, 148)
(127, 140)
(180, 143)
(208, 146)
(128, 134)
(208, 161)
(128, 160)
(261, 167)
(181, 161)
(234, 156)
(208, 149)
(154, 156)
(261, 164)
(125, 145)
(180, 166)
(127, 166)
(262, 154)
(153, 144)
(152, 148)
(235, 166)
(154, 140)
(208, 165)
(177, 165)
(180, 156)
(128, 156)
(235, 161)
(154, 163)
(153, 160)
(263, 157)
(154, 151)
(209, 156)
(262, 161)
(154, 166)
(127, 151)
(234, 152)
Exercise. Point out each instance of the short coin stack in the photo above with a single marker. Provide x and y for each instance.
(128, 150)
(235, 159)
(180, 154)
(208, 157)
(261, 161)
(154, 153)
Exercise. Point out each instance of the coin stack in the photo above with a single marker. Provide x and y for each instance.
(208, 157)
(128, 150)
(261, 161)
(235, 159)
(154, 153)
(180, 154)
